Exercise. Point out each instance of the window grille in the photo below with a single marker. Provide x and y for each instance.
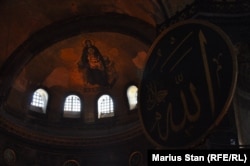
(72, 107)
(39, 100)
(72, 103)
(105, 106)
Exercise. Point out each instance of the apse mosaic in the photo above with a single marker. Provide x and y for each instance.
(96, 68)
(89, 63)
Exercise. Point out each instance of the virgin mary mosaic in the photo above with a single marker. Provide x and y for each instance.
(96, 68)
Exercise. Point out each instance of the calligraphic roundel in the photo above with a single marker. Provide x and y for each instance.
(187, 84)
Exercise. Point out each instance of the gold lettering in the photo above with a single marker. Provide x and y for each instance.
(181, 58)
(177, 127)
(179, 78)
(219, 67)
(154, 96)
(169, 119)
(203, 41)
(173, 52)
(195, 117)
(164, 136)
(159, 55)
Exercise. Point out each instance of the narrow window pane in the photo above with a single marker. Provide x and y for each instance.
(132, 93)
(105, 106)
(72, 107)
(39, 100)
(72, 103)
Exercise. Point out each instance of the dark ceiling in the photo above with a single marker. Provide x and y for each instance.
(41, 44)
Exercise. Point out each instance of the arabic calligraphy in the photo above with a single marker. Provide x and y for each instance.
(179, 78)
(203, 41)
(159, 56)
(187, 115)
(216, 60)
(155, 96)
(174, 51)
(186, 86)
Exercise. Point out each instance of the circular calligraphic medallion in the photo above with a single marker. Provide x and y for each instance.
(71, 163)
(9, 156)
(136, 159)
(187, 84)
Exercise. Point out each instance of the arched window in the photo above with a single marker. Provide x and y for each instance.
(105, 107)
(72, 106)
(39, 101)
(132, 93)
